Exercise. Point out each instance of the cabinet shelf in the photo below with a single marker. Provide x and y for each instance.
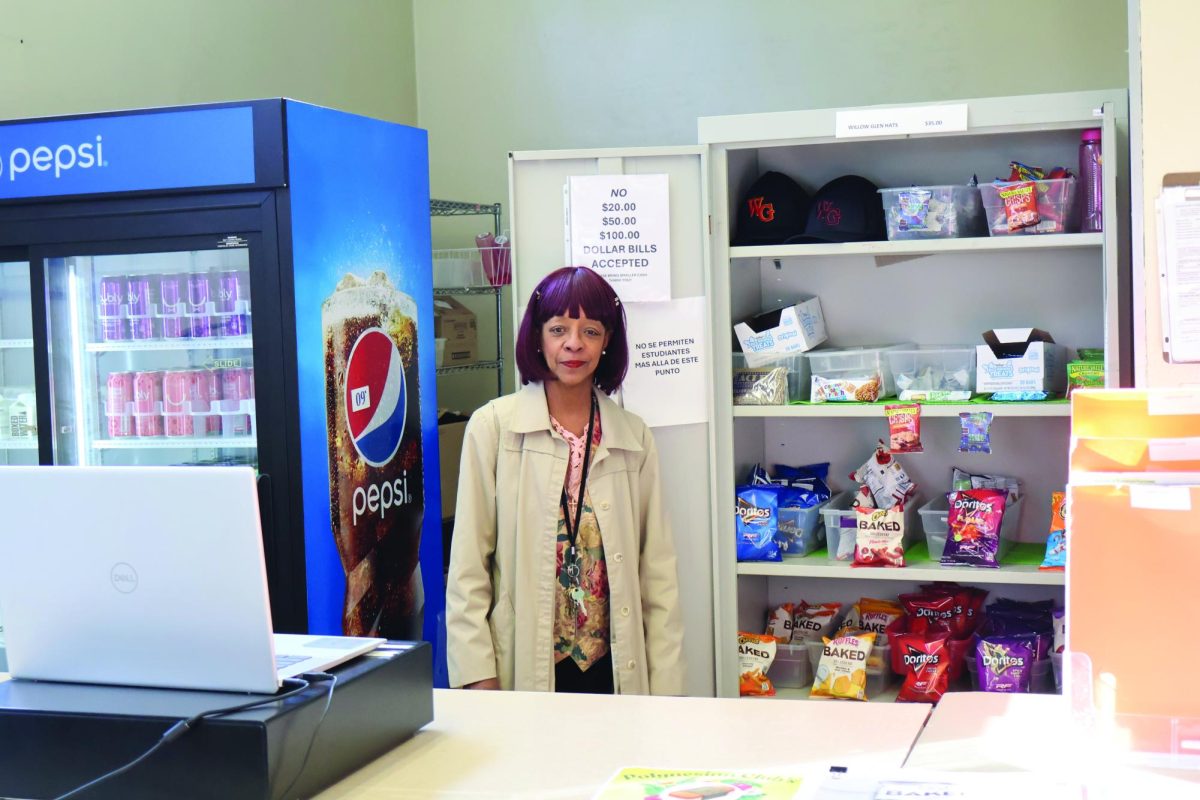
(189, 443)
(460, 290)
(847, 410)
(473, 367)
(231, 343)
(888, 695)
(18, 444)
(16, 344)
(1021, 569)
(923, 247)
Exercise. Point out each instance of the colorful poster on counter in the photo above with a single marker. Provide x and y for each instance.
(636, 783)
(620, 226)
(668, 362)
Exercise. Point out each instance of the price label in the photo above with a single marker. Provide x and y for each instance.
(951, 117)
(619, 225)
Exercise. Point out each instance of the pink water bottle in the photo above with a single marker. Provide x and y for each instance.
(1091, 175)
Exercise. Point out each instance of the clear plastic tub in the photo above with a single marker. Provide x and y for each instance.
(840, 540)
(803, 528)
(935, 521)
(847, 374)
(933, 372)
(791, 668)
(933, 212)
(1056, 203)
(797, 378)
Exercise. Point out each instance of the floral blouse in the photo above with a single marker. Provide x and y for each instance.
(580, 633)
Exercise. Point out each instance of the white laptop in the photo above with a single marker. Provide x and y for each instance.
(145, 576)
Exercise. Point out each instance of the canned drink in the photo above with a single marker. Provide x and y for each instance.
(119, 393)
(177, 402)
(139, 307)
(205, 392)
(237, 387)
(120, 426)
(231, 319)
(110, 299)
(172, 307)
(147, 393)
(199, 294)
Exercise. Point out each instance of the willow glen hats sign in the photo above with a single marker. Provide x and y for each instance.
(619, 225)
(668, 361)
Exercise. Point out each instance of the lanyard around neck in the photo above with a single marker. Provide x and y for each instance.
(573, 530)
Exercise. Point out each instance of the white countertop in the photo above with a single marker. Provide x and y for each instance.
(560, 746)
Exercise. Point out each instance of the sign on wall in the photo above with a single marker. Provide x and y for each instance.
(619, 225)
(668, 355)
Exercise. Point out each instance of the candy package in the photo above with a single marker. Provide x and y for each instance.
(879, 541)
(842, 671)
(904, 428)
(882, 474)
(858, 389)
(1005, 664)
(976, 432)
(1056, 543)
(756, 653)
(925, 665)
(974, 521)
(757, 524)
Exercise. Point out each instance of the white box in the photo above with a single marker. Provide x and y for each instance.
(785, 331)
(1020, 360)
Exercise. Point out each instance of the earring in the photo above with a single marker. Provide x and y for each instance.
(603, 352)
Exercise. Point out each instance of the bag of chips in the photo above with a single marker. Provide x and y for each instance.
(974, 535)
(888, 482)
(880, 538)
(1056, 543)
(904, 428)
(1005, 663)
(757, 524)
(780, 622)
(813, 622)
(925, 665)
(842, 671)
(756, 652)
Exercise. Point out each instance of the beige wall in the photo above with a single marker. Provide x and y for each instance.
(77, 56)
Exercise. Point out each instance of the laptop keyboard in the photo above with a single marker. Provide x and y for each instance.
(282, 662)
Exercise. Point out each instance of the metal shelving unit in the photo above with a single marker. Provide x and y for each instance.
(454, 208)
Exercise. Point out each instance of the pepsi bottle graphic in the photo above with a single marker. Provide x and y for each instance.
(373, 415)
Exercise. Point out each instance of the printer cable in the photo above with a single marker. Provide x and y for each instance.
(312, 676)
(184, 725)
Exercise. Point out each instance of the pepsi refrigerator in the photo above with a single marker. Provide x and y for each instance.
(243, 283)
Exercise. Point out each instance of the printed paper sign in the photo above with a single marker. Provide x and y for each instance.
(891, 121)
(668, 362)
(1161, 498)
(619, 225)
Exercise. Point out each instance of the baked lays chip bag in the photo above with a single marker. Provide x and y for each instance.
(842, 672)
(756, 652)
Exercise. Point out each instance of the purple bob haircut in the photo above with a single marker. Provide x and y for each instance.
(567, 292)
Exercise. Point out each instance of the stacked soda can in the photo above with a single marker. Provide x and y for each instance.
(231, 317)
(237, 392)
(172, 308)
(118, 404)
(148, 403)
(195, 305)
(110, 309)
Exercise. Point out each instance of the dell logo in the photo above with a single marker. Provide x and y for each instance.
(124, 577)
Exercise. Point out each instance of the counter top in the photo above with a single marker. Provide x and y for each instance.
(512, 744)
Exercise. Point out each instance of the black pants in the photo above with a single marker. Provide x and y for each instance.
(598, 679)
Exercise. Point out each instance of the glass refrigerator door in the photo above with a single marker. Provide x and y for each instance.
(18, 400)
(152, 358)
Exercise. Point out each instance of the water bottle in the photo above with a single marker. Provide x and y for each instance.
(1091, 176)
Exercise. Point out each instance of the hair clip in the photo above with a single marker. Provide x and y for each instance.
(616, 301)
(537, 294)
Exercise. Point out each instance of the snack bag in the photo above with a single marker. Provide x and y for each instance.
(813, 622)
(936, 608)
(925, 662)
(974, 537)
(857, 389)
(780, 622)
(760, 386)
(1020, 204)
(1059, 618)
(976, 432)
(1056, 544)
(757, 524)
(904, 428)
(1005, 664)
(887, 480)
(843, 668)
(880, 538)
(755, 655)
(874, 616)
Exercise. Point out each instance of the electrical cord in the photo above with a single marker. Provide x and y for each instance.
(184, 725)
(312, 676)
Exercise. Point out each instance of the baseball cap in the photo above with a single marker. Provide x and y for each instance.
(847, 209)
(774, 208)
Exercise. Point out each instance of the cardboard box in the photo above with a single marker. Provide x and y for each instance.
(455, 323)
(450, 442)
(1020, 360)
(782, 332)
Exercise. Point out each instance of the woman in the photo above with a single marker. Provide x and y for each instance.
(547, 593)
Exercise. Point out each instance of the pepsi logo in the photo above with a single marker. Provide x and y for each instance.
(375, 397)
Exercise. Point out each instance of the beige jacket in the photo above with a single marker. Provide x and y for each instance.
(500, 591)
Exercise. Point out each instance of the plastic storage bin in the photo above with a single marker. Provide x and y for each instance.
(847, 375)
(791, 668)
(1056, 205)
(935, 521)
(933, 372)
(840, 540)
(744, 380)
(803, 528)
(933, 212)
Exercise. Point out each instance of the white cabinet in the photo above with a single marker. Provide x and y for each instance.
(928, 292)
